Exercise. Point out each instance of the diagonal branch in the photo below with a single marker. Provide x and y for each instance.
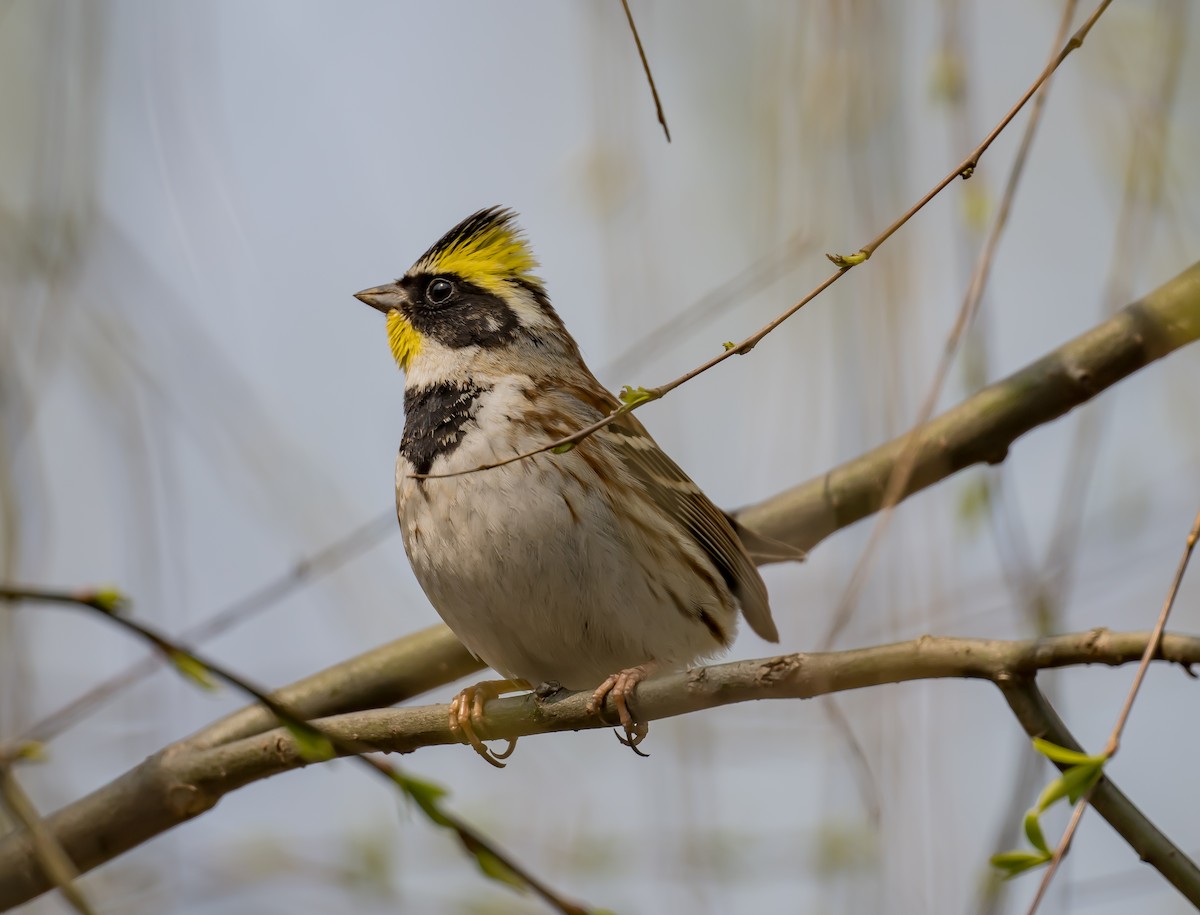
(844, 263)
(1039, 719)
(983, 427)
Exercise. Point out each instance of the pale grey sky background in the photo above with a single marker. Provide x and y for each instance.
(191, 401)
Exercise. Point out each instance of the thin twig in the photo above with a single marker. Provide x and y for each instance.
(1039, 719)
(304, 572)
(748, 281)
(1153, 645)
(1114, 740)
(55, 862)
(1132, 243)
(658, 108)
(846, 264)
(903, 469)
(342, 745)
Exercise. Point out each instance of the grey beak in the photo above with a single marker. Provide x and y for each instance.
(383, 298)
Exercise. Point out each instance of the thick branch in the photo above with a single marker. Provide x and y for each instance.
(182, 781)
(982, 427)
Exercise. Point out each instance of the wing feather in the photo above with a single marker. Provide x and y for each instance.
(683, 501)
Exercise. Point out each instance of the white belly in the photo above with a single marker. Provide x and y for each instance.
(540, 579)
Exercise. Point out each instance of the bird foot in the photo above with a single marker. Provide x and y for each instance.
(466, 716)
(621, 687)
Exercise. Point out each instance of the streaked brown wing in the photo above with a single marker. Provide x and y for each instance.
(675, 493)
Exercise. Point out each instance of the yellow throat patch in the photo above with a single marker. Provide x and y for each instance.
(402, 338)
(486, 249)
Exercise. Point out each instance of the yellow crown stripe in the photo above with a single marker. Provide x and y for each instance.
(486, 249)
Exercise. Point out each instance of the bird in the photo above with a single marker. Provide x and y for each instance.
(592, 567)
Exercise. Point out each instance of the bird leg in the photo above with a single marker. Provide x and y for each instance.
(621, 687)
(466, 715)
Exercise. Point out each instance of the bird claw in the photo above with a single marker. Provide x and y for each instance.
(621, 687)
(466, 715)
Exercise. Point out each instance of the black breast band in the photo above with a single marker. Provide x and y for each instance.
(435, 420)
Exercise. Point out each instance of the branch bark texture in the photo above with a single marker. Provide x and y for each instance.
(184, 780)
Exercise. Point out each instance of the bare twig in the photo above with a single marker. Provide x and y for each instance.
(903, 468)
(50, 856)
(309, 569)
(658, 108)
(845, 263)
(984, 426)
(1114, 739)
(979, 277)
(773, 264)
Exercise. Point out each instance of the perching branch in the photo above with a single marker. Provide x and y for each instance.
(180, 781)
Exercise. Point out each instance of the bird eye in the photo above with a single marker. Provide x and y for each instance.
(439, 291)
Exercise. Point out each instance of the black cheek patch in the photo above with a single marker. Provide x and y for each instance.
(473, 317)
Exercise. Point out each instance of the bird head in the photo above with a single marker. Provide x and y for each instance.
(473, 293)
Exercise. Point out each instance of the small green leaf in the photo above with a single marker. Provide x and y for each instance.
(30, 751)
(192, 669)
(1081, 784)
(1017, 862)
(1071, 784)
(425, 795)
(311, 744)
(110, 600)
(1033, 832)
(974, 503)
(1055, 753)
(563, 448)
(729, 344)
(631, 397)
(848, 260)
(496, 869)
